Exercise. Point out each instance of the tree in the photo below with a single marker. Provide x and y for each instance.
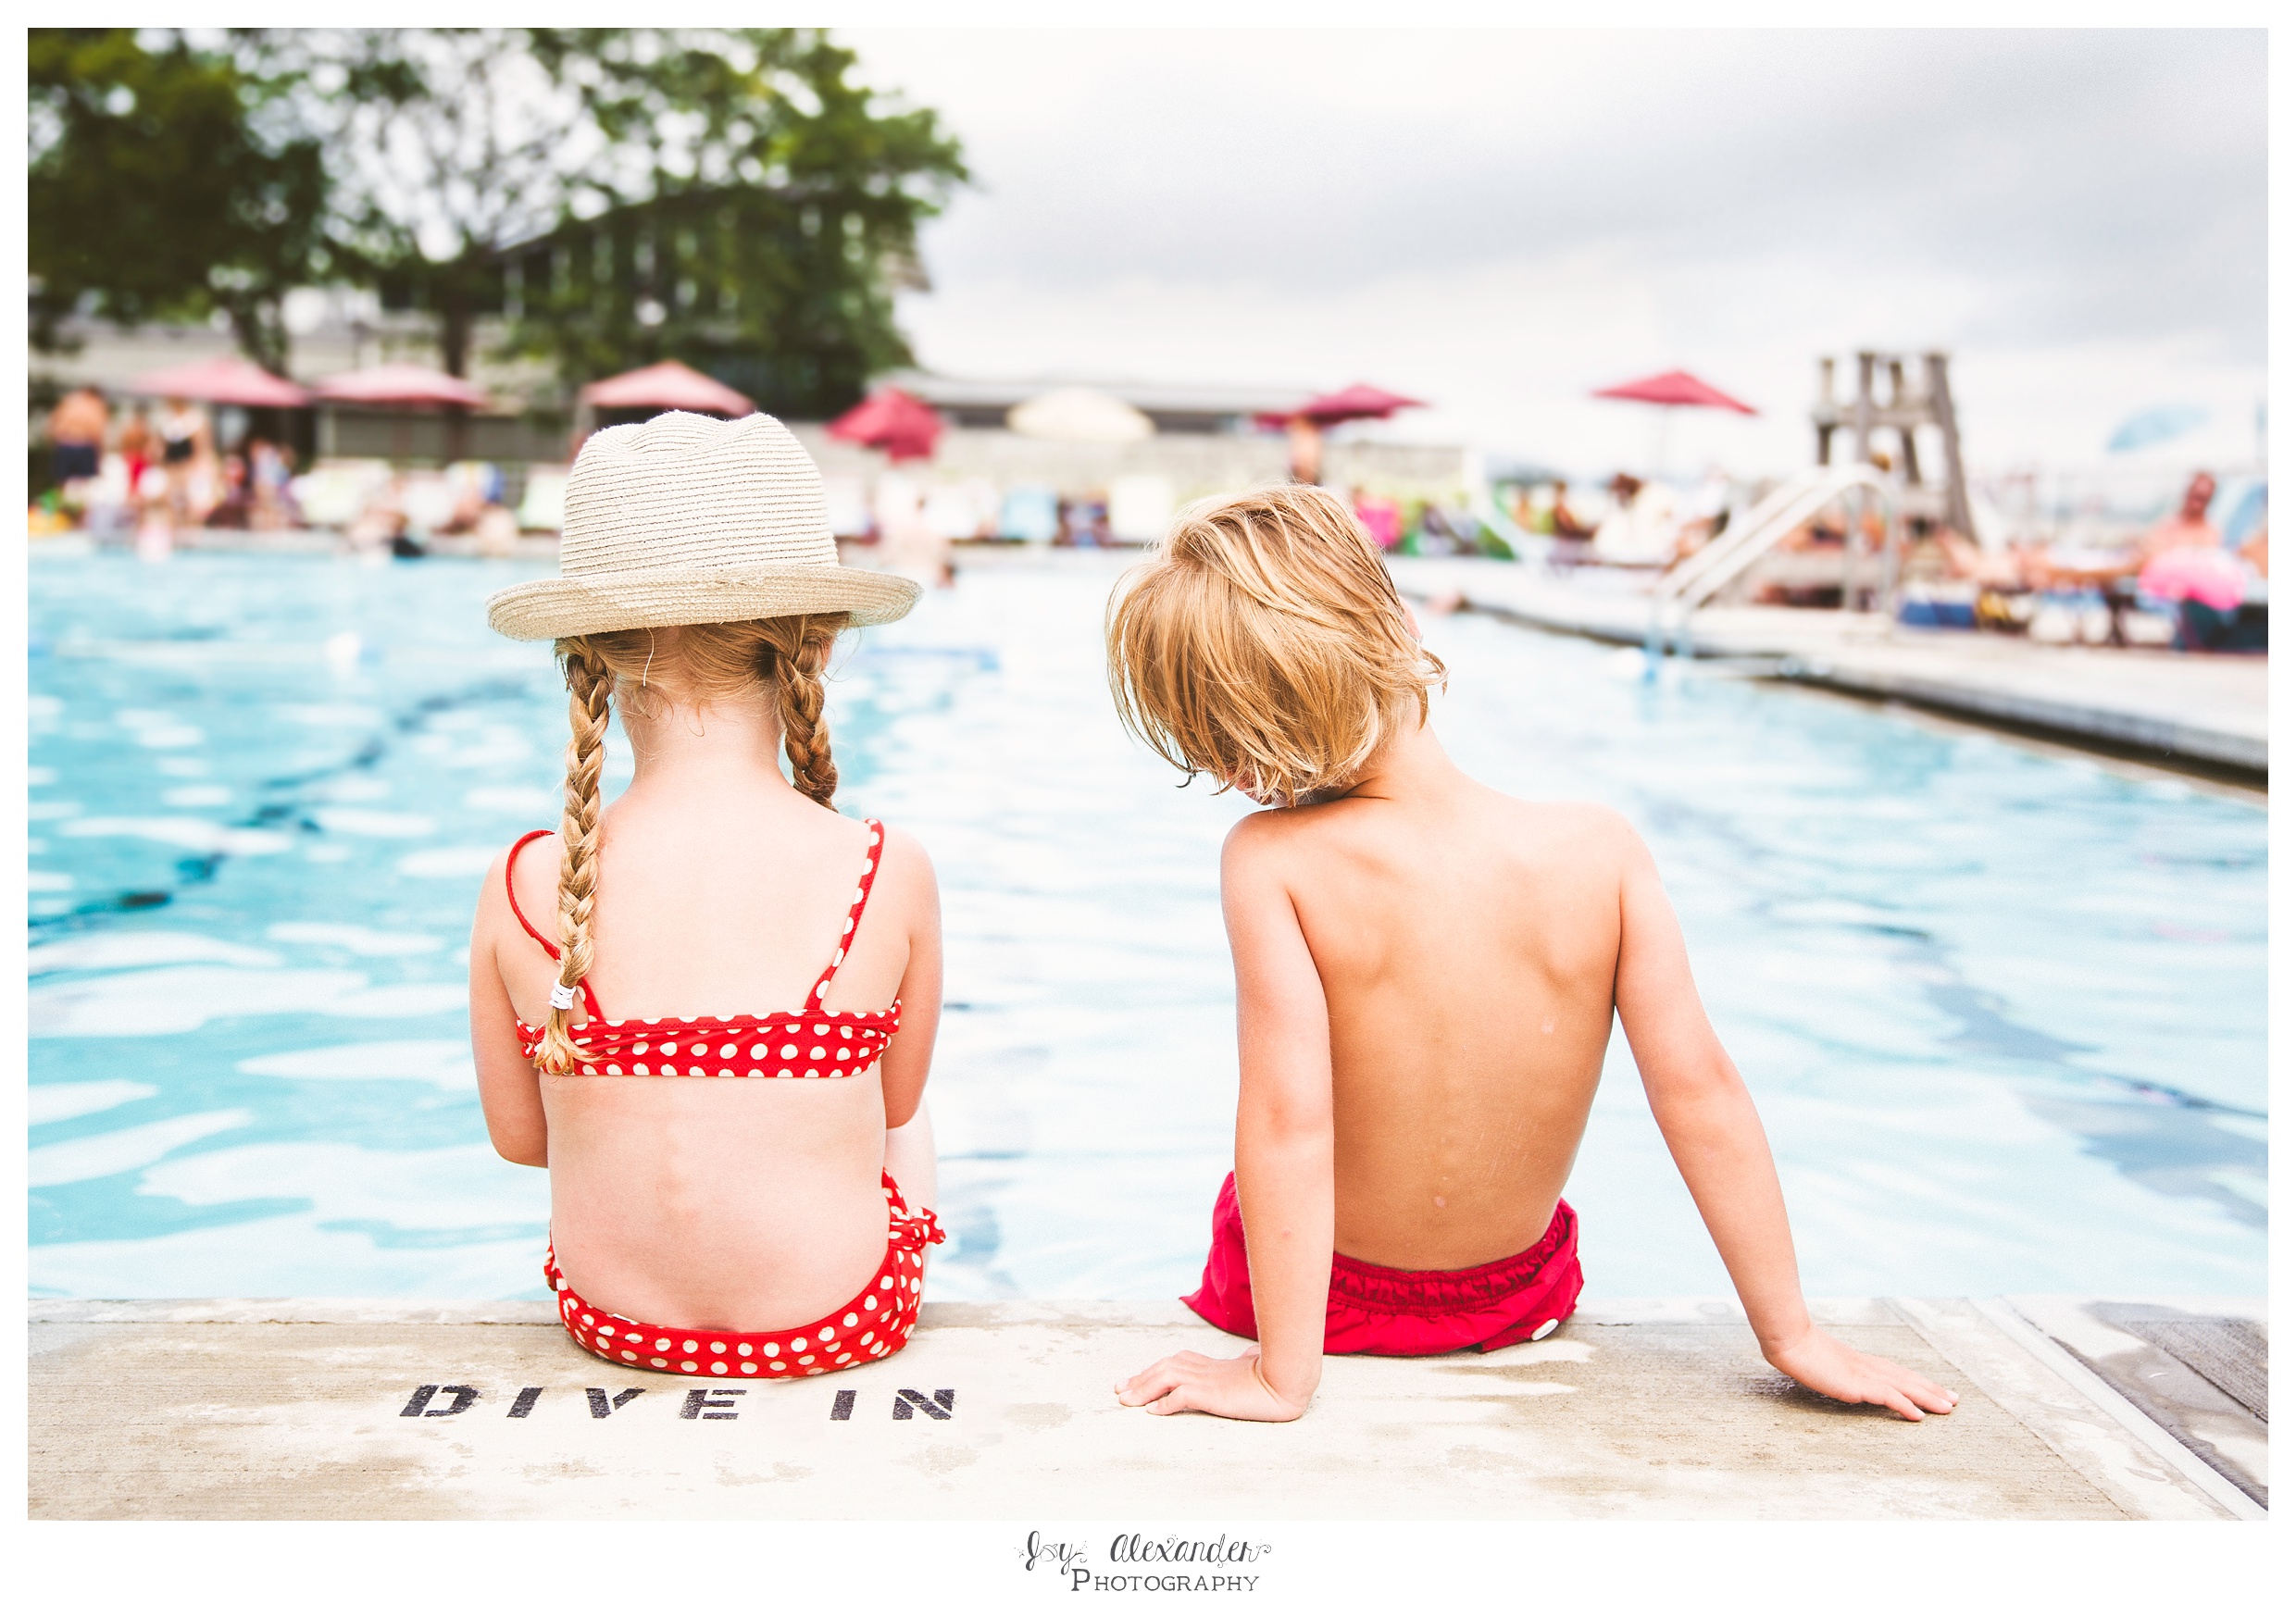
(725, 196)
(163, 183)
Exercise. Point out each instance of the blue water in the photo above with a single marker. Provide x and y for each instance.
(2004, 1011)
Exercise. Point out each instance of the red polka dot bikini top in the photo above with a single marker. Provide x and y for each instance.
(811, 1043)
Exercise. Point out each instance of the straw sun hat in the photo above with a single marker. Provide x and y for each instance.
(687, 519)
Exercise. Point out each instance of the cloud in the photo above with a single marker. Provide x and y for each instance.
(1476, 212)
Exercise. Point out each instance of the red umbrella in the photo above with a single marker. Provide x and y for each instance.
(1341, 406)
(400, 384)
(1668, 390)
(1675, 389)
(223, 381)
(895, 419)
(670, 386)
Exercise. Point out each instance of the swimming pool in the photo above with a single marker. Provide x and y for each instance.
(2004, 1011)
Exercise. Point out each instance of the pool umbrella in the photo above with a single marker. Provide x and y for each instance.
(406, 388)
(2162, 423)
(1666, 391)
(223, 381)
(894, 420)
(1357, 401)
(668, 387)
(1675, 389)
(1089, 416)
(399, 384)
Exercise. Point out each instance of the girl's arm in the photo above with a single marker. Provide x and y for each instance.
(1709, 1122)
(909, 1059)
(509, 1085)
(1284, 1159)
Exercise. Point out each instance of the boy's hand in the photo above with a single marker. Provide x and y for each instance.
(1232, 1388)
(1825, 1364)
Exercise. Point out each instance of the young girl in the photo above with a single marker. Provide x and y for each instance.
(1426, 972)
(710, 1009)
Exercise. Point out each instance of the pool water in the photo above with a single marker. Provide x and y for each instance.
(2004, 1011)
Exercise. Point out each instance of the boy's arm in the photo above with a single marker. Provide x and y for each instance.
(1709, 1122)
(1284, 1159)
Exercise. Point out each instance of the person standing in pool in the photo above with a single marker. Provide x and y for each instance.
(76, 430)
(1426, 973)
(187, 455)
(721, 1055)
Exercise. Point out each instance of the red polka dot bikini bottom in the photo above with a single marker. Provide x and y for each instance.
(876, 1323)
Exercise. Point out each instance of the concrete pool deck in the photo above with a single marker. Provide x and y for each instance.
(323, 1409)
(2189, 707)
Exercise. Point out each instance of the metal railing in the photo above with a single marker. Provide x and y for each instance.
(1752, 535)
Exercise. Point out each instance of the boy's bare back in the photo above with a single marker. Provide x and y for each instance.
(1426, 973)
(1468, 947)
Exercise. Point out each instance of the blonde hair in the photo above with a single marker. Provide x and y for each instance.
(1265, 645)
(783, 659)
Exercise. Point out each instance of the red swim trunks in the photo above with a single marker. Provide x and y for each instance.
(1374, 1309)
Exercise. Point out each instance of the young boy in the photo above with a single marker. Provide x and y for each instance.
(1426, 972)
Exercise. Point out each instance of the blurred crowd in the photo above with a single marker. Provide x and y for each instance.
(159, 467)
(2195, 577)
(149, 472)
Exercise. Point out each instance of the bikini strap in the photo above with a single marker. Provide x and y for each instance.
(510, 870)
(853, 919)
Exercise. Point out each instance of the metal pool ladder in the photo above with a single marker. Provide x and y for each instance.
(1698, 578)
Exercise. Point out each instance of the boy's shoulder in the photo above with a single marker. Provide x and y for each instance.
(1589, 824)
(1592, 833)
(1274, 840)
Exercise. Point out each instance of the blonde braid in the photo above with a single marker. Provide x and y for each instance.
(797, 669)
(590, 687)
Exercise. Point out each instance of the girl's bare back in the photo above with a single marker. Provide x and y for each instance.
(736, 1203)
(1467, 948)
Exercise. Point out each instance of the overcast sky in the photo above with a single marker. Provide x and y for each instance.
(1502, 221)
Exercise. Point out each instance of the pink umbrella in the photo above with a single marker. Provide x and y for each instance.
(400, 384)
(1675, 389)
(895, 419)
(223, 381)
(1668, 391)
(1357, 401)
(671, 386)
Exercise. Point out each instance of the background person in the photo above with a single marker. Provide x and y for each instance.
(268, 472)
(186, 456)
(1380, 517)
(77, 426)
(1567, 524)
(2186, 529)
(1305, 450)
(135, 446)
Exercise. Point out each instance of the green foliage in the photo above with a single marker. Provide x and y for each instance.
(155, 193)
(784, 214)
(725, 196)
